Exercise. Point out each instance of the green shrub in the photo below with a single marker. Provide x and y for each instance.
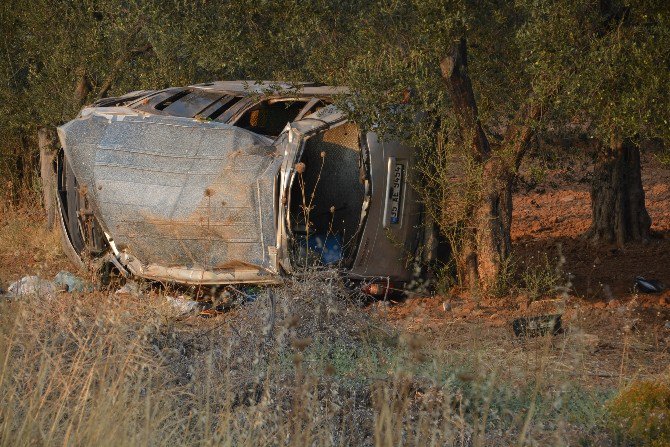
(641, 414)
(539, 277)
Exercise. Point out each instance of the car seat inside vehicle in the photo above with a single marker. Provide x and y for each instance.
(270, 117)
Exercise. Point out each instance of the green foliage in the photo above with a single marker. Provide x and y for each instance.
(537, 174)
(613, 63)
(534, 279)
(506, 280)
(641, 413)
(541, 278)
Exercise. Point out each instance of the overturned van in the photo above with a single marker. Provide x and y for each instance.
(237, 182)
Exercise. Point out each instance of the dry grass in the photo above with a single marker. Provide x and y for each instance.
(101, 370)
(26, 247)
(304, 365)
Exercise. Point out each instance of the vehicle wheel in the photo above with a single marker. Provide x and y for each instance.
(80, 234)
(68, 249)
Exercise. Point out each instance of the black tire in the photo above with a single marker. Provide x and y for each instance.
(76, 243)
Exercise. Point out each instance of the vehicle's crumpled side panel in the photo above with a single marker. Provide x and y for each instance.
(180, 197)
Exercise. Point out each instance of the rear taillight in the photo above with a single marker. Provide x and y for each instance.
(378, 288)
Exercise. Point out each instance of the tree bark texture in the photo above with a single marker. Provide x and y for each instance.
(487, 239)
(83, 87)
(516, 141)
(46, 141)
(618, 207)
(484, 242)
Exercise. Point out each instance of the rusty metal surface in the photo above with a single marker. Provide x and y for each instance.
(180, 197)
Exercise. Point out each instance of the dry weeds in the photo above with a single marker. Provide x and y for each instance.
(305, 364)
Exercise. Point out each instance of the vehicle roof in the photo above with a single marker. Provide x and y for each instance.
(248, 87)
(178, 192)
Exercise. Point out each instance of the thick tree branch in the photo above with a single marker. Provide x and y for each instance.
(456, 79)
(520, 131)
(83, 87)
(46, 139)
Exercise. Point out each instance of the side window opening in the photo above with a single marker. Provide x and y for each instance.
(270, 117)
(326, 198)
(164, 104)
(215, 110)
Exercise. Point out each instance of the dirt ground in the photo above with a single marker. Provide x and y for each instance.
(556, 213)
(611, 334)
(601, 308)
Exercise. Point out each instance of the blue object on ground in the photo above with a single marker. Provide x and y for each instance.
(72, 283)
(250, 293)
(329, 248)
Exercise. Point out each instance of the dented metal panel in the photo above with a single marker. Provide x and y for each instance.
(182, 199)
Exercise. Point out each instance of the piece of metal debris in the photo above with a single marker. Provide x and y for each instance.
(183, 304)
(649, 285)
(72, 283)
(537, 326)
(32, 285)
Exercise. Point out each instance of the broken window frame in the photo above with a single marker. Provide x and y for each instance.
(255, 104)
(284, 199)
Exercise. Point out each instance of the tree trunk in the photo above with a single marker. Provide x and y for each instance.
(484, 243)
(487, 239)
(493, 238)
(45, 141)
(83, 87)
(516, 142)
(618, 210)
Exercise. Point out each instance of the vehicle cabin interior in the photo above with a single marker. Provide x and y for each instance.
(327, 197)
(266, 117)
(270, 117)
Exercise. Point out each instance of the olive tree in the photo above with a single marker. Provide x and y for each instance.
(456, 65)
(615, 71)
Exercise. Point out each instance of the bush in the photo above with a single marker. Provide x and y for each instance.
(641, 414)
(539, 278)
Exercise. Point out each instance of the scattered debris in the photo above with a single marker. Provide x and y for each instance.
(536, 326)
(32, 285)
(129, 288)
(72, 283)
(183, 304)
(649, 285)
